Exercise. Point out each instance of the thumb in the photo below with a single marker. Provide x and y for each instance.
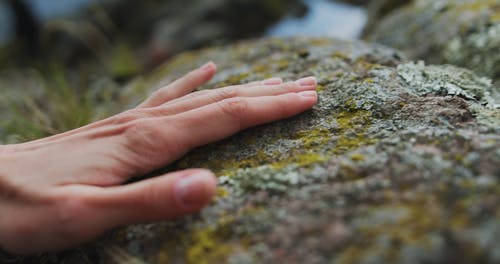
(84, 212)
(166, 197)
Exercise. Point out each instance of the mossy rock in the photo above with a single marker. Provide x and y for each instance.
(459, 32)
(398, 162)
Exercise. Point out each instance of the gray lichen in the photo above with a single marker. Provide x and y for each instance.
(447, 80)
(460, 32)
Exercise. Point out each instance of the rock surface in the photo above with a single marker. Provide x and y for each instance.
(460, 32)
(398, 162)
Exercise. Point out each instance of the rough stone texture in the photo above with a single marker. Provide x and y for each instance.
(460, 32)
(398, 162)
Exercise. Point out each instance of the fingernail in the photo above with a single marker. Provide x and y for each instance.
(194, 189)
(207, 66)
(308, 94)
(308, 81)
(271, 81)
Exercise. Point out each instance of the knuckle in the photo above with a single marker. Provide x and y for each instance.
(198, 93)
(129, 116)
(283, 103)
(195, 94)
(148, 141)
(289, 86)
(69, 208)
(71, 216)
(224, 93)
(153, 198)
(235, 107)
(142, 133)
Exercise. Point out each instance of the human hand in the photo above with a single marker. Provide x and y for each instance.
(67, 189)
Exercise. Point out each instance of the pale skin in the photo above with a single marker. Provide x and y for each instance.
(67, 189)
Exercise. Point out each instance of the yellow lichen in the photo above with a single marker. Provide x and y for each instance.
(357, 157)
(222, 192)
(495, 17)
(320, 42)
(260, 68)
(280, 64)
(353, 126)
(208, 245)
(235, 79)
(340, 55)
(320, 88)
(313, 138)
(301, 160)
(369, 80)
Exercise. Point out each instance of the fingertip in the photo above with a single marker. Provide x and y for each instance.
(195, 189)
(310, 97)
(308, 94)
(307, 82)
(209, 67)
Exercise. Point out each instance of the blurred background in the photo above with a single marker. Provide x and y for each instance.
(64, 63)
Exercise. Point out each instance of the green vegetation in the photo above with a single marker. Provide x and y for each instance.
(61, 106)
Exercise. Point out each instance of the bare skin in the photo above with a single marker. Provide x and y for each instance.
(67, 189)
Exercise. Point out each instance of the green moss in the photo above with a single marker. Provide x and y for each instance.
(353, 127)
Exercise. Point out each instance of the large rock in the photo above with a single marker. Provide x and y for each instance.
(460, 32)
(398, 162)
